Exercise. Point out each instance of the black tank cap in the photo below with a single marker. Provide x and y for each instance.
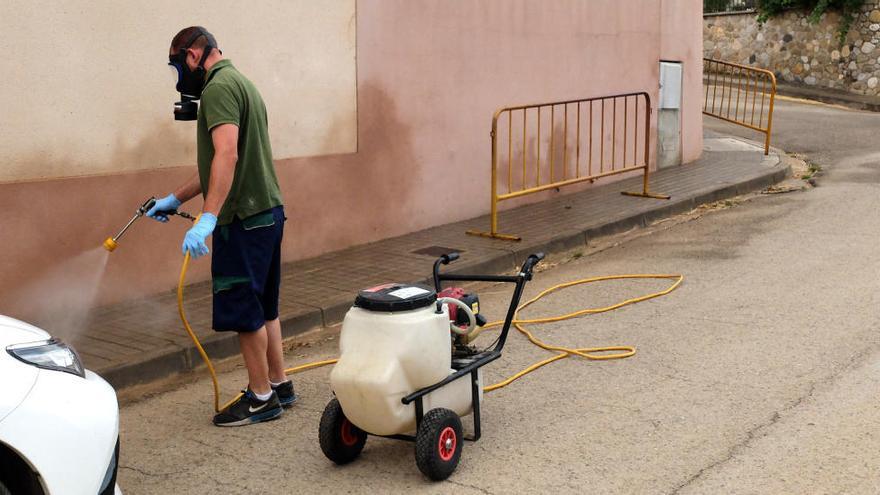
(395, 297)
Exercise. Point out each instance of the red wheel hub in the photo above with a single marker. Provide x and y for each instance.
(347, 434)
(447, 443)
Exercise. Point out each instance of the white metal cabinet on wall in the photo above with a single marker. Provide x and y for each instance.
(669, 115)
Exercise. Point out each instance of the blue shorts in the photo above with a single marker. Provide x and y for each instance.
(246, 271)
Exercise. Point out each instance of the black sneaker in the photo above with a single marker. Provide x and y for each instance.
(248, 410)
(285, 393)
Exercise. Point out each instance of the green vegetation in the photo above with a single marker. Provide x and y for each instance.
(848, 9)
(813, 170)
(714, 6)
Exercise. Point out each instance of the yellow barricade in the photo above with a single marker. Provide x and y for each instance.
(741, 95)
(587, 139)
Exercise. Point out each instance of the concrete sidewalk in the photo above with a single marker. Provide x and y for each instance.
(143, 340)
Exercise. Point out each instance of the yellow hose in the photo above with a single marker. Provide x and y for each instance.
(192, 335)
(594, 353)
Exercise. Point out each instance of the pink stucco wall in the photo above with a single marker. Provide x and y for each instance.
(430, 75)
(682, 41)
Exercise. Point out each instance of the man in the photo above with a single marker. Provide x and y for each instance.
(243, 210)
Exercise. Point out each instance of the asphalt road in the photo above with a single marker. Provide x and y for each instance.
(760, 374)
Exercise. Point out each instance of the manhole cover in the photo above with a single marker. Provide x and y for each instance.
(437, 251)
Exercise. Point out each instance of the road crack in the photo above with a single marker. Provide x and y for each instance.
(473, 487)
(757, 431)
(147, 473)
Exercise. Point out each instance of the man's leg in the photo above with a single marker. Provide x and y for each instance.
(254, 346)
(274, 351)
(244, 253)
(250, 408)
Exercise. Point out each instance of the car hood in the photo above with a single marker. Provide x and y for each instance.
(14, 331)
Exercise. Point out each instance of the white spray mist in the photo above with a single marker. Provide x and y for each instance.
(59, 300)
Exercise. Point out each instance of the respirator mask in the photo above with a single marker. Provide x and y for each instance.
(190, 82)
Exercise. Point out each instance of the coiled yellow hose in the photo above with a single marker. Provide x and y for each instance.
(593, 353)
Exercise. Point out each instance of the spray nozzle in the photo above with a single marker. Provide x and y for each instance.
(144, 208)
(111, 243)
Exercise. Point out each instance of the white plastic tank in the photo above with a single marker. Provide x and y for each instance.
(393, 343)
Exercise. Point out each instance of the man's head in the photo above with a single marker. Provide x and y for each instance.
(193, 51)
(191, 46)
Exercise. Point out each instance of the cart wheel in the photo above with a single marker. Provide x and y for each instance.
(438, 444)
(340, 440)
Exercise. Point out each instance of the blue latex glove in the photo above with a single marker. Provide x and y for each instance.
(194, 241)
(168, 203)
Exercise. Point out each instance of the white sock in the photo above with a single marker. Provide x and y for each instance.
(262, 397)
(274, 385)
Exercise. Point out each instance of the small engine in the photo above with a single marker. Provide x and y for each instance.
(472, 300)
(460, 347)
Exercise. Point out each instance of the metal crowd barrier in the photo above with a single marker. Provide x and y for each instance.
(587, 139)
(740, 94)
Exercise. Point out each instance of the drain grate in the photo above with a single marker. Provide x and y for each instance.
(437, 251)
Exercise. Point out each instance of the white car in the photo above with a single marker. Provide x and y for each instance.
(59, 423)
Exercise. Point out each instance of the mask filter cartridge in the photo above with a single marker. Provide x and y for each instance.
(186, 109)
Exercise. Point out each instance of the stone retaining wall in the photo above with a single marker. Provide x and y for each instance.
(800, 52)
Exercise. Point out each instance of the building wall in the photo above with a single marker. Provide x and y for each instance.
(87, 89)
(800, 52)
(681, 41)
(430, 73)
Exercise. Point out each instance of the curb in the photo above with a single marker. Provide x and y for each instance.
(174, 359)
(834, 97)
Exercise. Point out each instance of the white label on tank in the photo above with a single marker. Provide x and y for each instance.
(408, 292)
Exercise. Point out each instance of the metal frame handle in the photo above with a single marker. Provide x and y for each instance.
(520, 279)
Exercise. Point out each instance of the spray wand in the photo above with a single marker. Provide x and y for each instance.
(111, 243)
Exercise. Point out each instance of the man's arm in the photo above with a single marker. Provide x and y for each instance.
(182, 194)
(225, 139)
(189, 189)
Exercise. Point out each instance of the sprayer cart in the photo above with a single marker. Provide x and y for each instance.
(406, 370)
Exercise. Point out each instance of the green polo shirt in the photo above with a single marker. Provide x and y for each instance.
(230, 98)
